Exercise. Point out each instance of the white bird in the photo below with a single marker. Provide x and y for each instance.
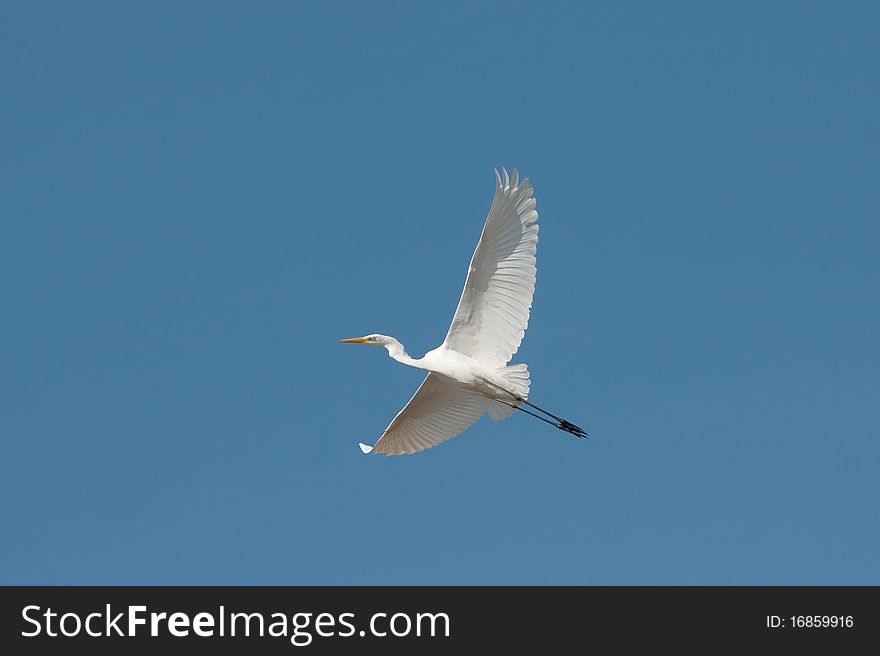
(469, 372)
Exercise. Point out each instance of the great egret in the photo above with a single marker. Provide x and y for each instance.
(469, 372)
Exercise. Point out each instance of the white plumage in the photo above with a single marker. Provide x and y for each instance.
(493, 311)
(438, 411)
(469, 372)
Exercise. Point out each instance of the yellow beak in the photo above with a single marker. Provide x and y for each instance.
(354, 340)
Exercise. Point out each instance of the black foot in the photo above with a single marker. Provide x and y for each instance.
(568, 427)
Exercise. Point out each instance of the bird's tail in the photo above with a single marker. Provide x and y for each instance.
(517, 377)
(518, 381)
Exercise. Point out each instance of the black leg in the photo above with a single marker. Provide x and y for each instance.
(565, 425)
(560, 423)
(568, 427)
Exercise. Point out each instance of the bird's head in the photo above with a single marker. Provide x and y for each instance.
(369, 340)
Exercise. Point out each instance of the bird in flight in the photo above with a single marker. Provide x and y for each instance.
(469, 374)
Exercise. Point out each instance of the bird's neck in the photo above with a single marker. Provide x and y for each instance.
(395, 350)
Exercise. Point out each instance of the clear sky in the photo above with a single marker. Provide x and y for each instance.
(199, 199)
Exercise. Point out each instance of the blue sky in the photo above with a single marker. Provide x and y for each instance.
(199, 199)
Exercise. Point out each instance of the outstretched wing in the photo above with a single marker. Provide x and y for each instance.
(493, 312)
(438, 411)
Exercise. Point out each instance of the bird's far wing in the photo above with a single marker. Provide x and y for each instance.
(493, 312)
(438, 411)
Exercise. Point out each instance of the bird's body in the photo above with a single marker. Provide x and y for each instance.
(469, 372)
(458, 369)
(463, 370)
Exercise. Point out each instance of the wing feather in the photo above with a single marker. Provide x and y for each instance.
(493, 312)
(437, 412)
